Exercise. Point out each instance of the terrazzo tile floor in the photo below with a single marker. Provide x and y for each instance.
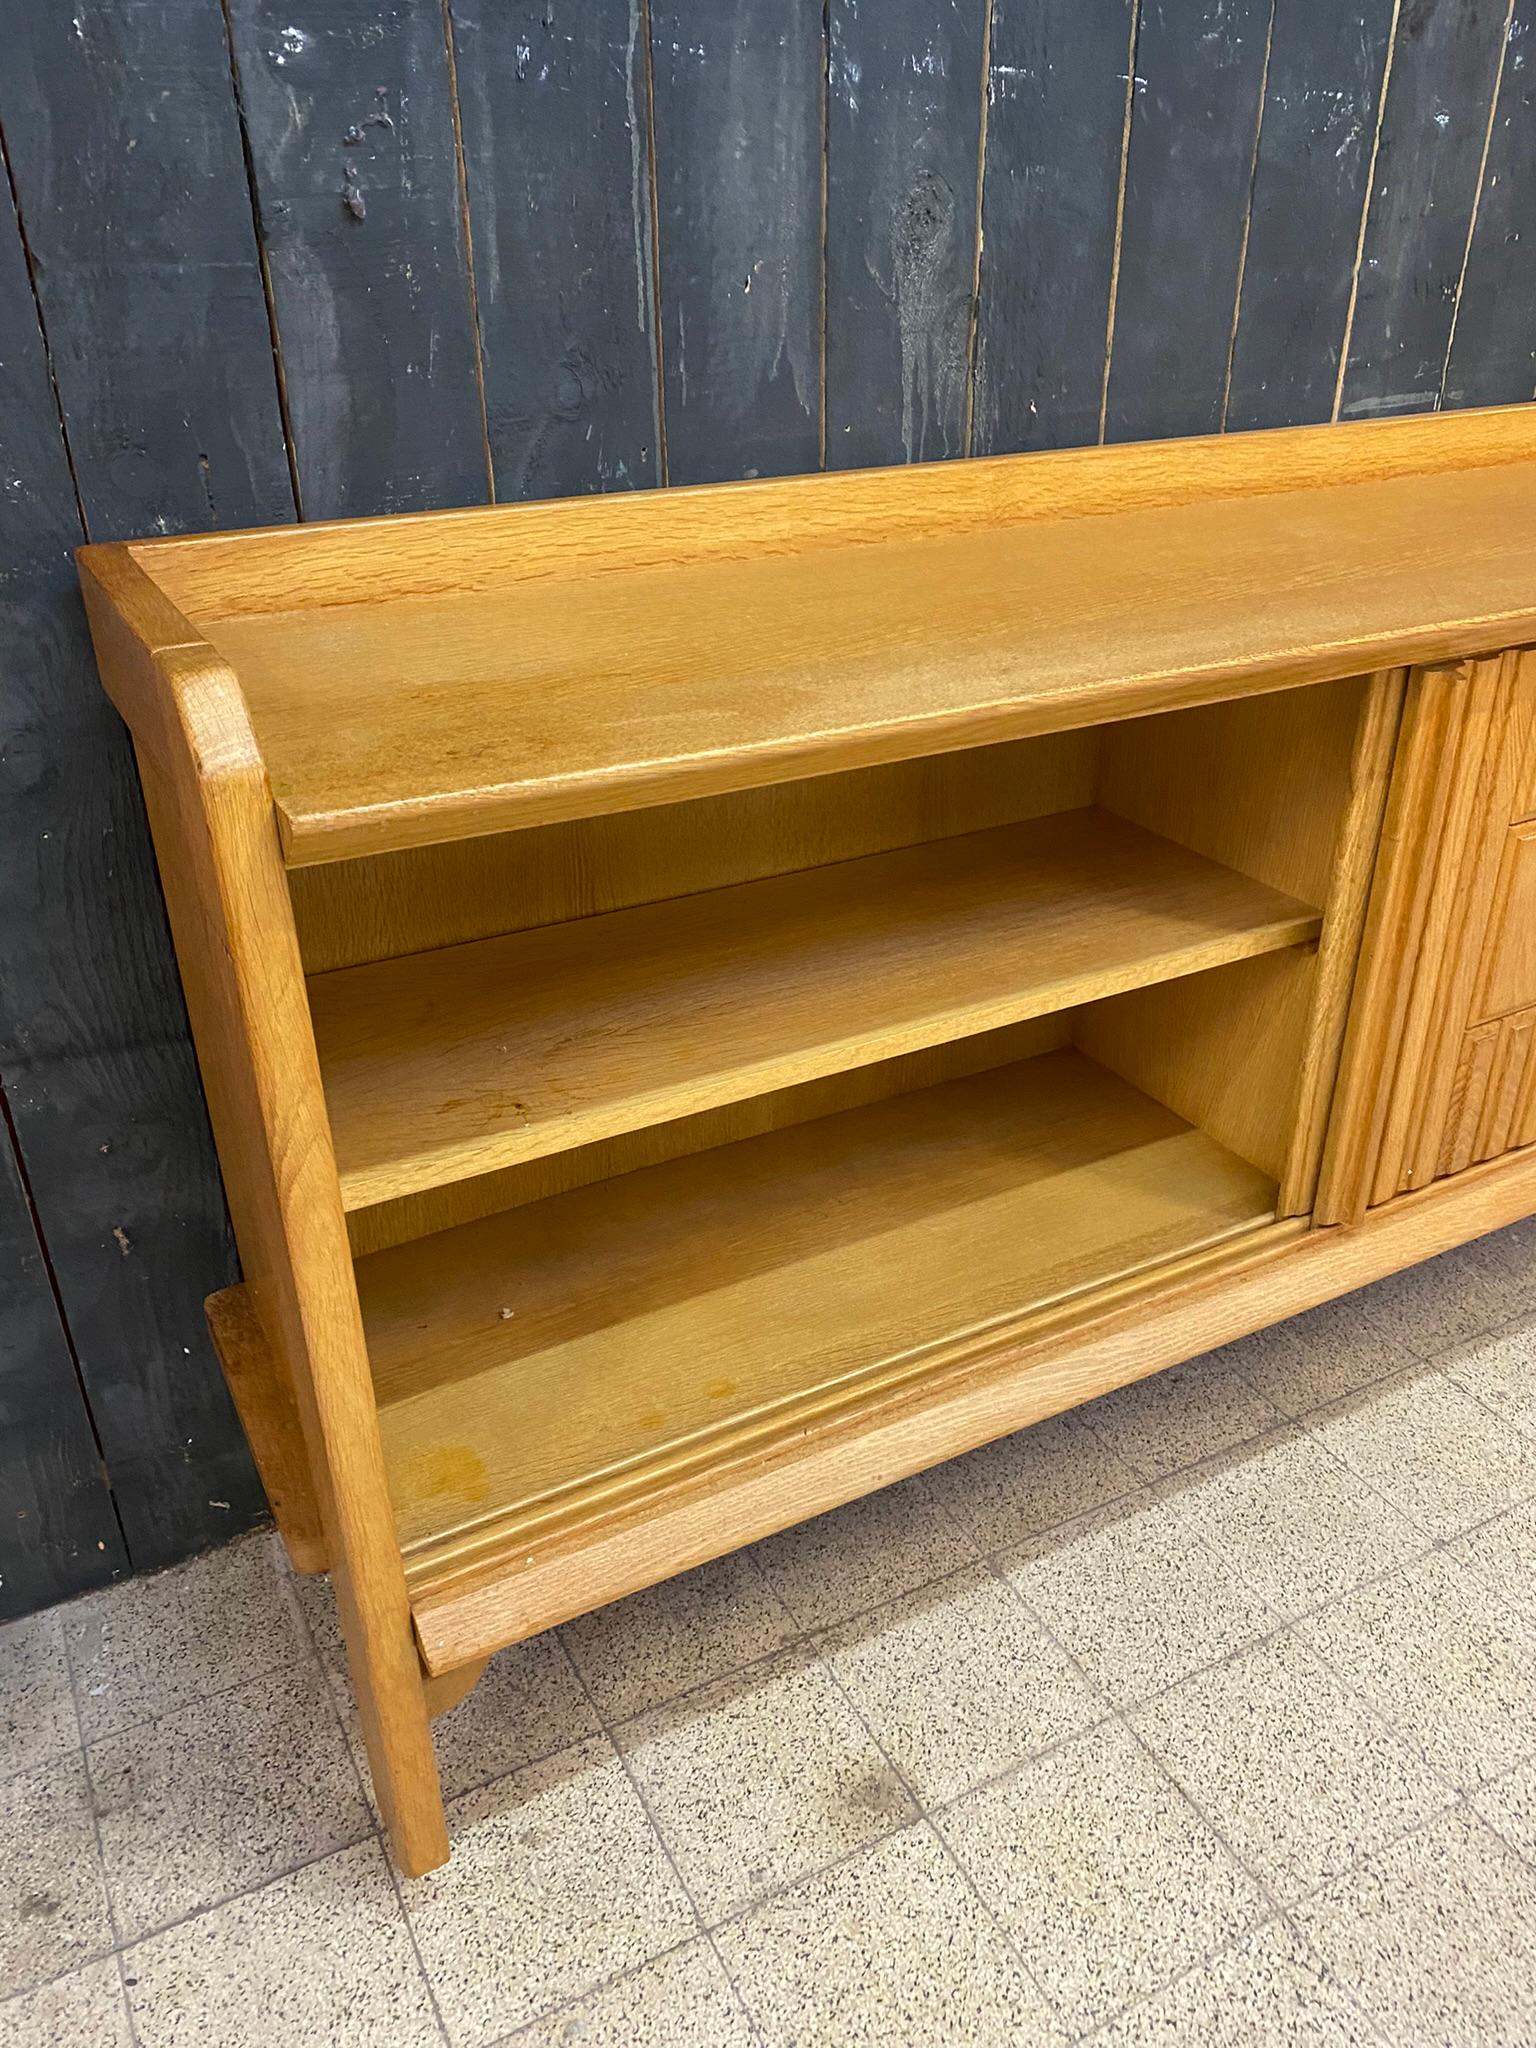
(1205, 1714)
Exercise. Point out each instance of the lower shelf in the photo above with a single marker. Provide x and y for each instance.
(535, 1367)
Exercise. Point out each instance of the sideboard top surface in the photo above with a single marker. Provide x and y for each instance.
(428, 678)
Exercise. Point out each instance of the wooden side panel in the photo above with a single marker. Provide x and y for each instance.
(1405, 1076)
(1290, 789)
(1194, 129)
(133, 270)
(1057, 99)
(406, 902)
(1321, 101)
(903, 141)
(58, 1533)
(557, 166)
(1493, 353)
(738, 95)
(226, 893)
(1507, 980)
(1261, 783)
(1223, 1049)
(350, 121)
(1429, 161)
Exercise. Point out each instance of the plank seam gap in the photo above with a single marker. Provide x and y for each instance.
(640, 18)
(1477, 202)
(826, 212)
(1347, 336)
(1132, 50)
(1242, 254)
(253, 199)
(42, 329)
(471, 284)
(8, 1121)
(973, 323)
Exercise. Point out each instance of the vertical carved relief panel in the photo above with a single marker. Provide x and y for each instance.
(1440, 1066)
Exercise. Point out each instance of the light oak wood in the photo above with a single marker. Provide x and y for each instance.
(394, 724)
(350, 912)
(445, 1690)
(1026, 1374)
(361, 561)
(811, 976)
(211, 812)
(1493, 1101)
(1406, 1080)
(529, 1365)
(491, 1194)
(445, 1065)
(269, 1415)
(413, 717)
(1507, 975)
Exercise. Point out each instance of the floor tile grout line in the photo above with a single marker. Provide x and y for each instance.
(133, 1942)
(525, 2028)
(1118, 1718)
(702, 1929)
(127, 1997)
(113, 1923)
(921, 1817)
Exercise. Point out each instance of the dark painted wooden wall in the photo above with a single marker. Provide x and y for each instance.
(276, 258)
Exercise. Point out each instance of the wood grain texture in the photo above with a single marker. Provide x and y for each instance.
(1056, 100)
(1194, 130)
(662, 1318)
(738, 126)
(444, 1065)
(730, 674)
(1026, 1374)
(1493, 1098)
(226, 893)
(1322, 97)
(436, 554)
(102, 1086)
(1443, 838)
(557, 166)
(59, 1535)
(1492, 359)
(1428, 168)
(491, 1194)
(1507, 977)
(349, 117)
(1222, 1050)
(904, 82)
(349, 912)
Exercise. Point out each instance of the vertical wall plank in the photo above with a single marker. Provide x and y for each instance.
(1194, 126)
(1493, 353)
(1055, 133)
(126, 155)
(1322, 96)
(350, 121)
(1428, 166)
(124, 146)
(738, 96)
(58, 1534)
(903, 138)
(557, 159)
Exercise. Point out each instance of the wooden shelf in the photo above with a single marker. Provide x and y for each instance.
(420, 680)
(532, 1365)
(444, 1065)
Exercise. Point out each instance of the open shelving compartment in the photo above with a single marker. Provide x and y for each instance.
(697, 997)
(640, 1189)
